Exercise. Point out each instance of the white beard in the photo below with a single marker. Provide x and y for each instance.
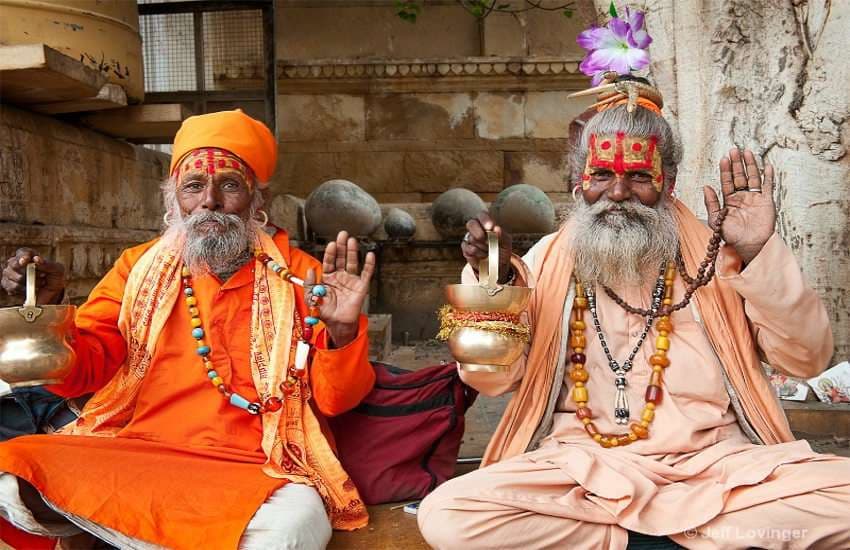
(624, 247)
(211, 242)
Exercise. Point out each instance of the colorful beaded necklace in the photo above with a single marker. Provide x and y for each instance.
(658, 360)
(296, 371)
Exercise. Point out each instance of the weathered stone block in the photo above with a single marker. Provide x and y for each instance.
(548, 114)
(374, 171)
(436, 171)
(321, 118)
(361, 31)
(380, 336)
(548, 171)
(419, 116)
(504, 36)
(546, 31)
(300, 173)
(499, 115)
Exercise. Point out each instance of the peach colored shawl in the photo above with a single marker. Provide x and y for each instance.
(722, 312)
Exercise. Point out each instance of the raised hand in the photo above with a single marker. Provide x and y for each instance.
(50, 282)
(347, 288)
(474, 246)
(749, 197)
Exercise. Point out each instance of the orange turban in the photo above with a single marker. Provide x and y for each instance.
(233, 131)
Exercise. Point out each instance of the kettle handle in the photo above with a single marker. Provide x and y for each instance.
(31, 284)
(488, 270)
(30, 312)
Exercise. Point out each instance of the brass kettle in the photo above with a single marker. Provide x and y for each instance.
(34, 340)
(477, 349)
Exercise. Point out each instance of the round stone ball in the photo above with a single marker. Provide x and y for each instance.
(339, 205)
(399, 224)
(451, 210)
(523, 208)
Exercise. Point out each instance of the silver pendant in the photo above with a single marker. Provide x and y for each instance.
(621, 402)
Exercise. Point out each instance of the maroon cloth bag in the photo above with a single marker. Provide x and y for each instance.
(403, 438)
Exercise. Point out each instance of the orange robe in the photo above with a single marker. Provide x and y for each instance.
(186, 471)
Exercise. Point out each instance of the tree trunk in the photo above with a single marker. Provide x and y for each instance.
(772, 76)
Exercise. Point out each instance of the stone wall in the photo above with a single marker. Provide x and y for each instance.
(74, 195)
(408, 111)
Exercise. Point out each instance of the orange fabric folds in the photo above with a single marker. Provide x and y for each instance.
(158, 454)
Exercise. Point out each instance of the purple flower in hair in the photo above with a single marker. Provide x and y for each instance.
(619, 46)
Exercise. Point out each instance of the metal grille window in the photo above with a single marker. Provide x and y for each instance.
(210, 55)
(168, 46)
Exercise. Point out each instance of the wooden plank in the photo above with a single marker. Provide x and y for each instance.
(35, 73)
(111, 96)
(140, 122)
(387, 529)
(818, 419)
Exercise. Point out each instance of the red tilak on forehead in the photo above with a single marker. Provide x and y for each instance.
(629, 153)
(209, 161)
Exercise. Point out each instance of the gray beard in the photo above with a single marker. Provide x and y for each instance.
(622, 248)
(211, 242)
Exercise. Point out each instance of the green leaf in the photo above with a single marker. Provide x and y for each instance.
(407, 10)
(568, 12)
(612, 9)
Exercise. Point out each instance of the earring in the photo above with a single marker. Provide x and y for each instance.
(166, 219)
(265, 218)
(575, 192)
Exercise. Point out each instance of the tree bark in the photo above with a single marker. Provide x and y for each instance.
(772, 76)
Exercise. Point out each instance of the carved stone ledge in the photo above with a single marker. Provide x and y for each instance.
(87, 252)
(429, 75)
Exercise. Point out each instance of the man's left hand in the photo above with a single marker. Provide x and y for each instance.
(749, 197)
(347, 288)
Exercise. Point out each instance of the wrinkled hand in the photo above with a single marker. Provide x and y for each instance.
(50, 279)
(347, 287)
(749, 197)
(474, 247)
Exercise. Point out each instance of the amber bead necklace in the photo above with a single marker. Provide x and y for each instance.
(658, 360)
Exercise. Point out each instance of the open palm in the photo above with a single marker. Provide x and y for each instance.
(347, 286)
(751, 213)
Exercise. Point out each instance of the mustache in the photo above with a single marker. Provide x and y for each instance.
(225, 221)
(633, 210)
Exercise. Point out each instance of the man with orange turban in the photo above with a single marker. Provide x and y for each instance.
(214, 357)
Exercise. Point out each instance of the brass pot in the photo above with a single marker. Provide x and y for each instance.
(476, 349)
(482, 350)
(34, 347)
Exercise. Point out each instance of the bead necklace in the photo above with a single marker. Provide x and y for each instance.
(704, 274)
(621, 402)
(580, 376)
(295, 372)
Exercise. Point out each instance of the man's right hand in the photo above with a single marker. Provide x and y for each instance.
(50, 279)
(474, 245)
